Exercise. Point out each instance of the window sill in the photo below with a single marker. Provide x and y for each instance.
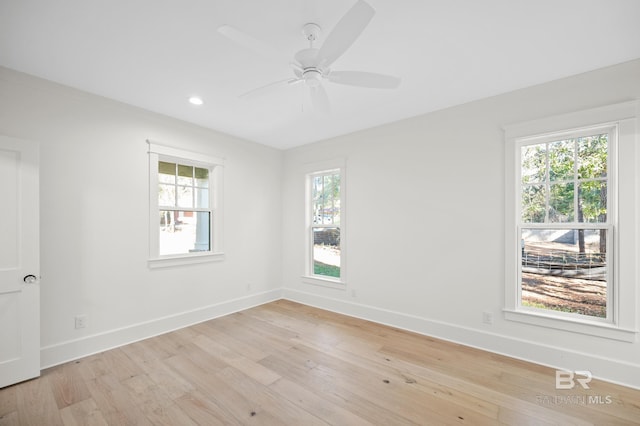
(592, 328)
(188, 259)
(324, 282)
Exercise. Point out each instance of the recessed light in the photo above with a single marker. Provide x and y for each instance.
(194, 100)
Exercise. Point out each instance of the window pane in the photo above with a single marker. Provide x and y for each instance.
(166, 195)
(533, 163)
(326, 252)
(565, 270)
(561, 160)
(183, 232)
(561, 203)
(316, 187)
(166, 172)
(336, 213)
(592, 156)
(185, 196)
(202, 177)
(533, 203)
(327, 197)
(592, 202)
(336, 199)
(185, 175)
(317, 198)
(202, 198)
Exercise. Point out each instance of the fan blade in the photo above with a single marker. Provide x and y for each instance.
(345, 32)
(258, 90)
(249, 42)
(364, 79)
(319, 99)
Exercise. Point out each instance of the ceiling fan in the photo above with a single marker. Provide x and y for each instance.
(311, 66)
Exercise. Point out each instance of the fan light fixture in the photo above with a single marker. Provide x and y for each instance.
(312, 77)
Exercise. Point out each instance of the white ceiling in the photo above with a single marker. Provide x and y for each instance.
(155, 54)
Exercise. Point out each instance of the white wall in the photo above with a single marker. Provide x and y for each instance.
(94, 219)
(425, 192)
(420, 192)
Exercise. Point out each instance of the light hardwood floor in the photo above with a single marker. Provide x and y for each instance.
(288, 364)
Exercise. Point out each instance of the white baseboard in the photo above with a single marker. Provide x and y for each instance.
(89, 345)
(610, 370)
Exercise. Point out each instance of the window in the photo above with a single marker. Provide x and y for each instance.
(185, 214)
(184, 208)
(325, 226)
(570, 208)
(566, 221)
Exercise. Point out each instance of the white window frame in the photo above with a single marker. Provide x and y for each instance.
(161, 152)
(622, 240)
(311, 170)
(612, 131)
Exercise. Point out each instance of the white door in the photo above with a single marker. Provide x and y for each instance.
(19, 261)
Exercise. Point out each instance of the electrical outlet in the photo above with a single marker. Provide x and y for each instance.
(487, 318)
(353, 293)
(81, 321)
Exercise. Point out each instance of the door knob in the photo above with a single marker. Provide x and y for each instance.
(30, 279)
